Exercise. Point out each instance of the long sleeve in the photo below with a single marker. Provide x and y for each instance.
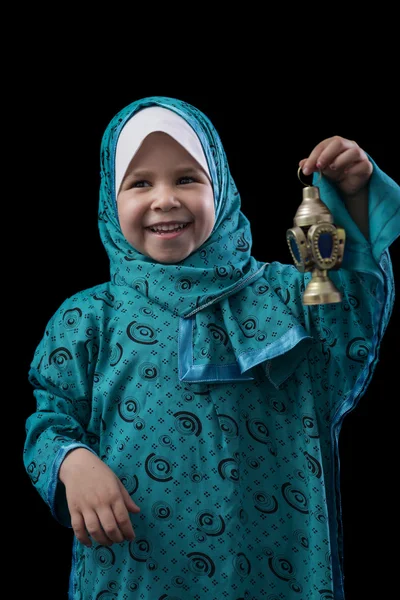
(346, 335)
(60, 374)
(351, 332)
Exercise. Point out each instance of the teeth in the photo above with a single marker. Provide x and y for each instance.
(166, 228)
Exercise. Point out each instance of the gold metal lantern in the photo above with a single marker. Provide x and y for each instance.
(316, 245)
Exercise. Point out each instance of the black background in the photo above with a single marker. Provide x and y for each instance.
(265, 130)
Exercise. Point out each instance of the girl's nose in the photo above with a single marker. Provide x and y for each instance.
(164, 199)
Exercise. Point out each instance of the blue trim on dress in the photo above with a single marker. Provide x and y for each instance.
(202, 373)
(209, 373)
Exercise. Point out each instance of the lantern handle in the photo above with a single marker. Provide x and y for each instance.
(306, 184)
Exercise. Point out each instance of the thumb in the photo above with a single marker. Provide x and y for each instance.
(129, 503)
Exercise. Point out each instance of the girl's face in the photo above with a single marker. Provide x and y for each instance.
(166, 201)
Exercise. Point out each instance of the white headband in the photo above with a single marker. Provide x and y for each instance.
(146, 121)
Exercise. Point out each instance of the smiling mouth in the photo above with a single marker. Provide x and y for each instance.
(172, 233)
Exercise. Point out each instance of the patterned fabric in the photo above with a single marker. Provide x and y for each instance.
(223, 260)
(216, 397)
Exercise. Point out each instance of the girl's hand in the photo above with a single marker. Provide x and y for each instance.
(98, 502)
(341, 161)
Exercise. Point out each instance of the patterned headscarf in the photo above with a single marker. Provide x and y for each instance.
(222, 264)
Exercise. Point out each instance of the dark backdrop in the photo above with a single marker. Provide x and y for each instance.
(265, 134)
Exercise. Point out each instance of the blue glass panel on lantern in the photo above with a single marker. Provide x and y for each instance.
(295, 250)
(325, 245)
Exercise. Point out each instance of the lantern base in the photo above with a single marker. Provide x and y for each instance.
(321, 290)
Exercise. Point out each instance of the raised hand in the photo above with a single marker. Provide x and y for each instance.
(342, 161)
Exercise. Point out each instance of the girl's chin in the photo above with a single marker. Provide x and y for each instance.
(169, 255)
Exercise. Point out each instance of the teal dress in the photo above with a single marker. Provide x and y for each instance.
(215, 396)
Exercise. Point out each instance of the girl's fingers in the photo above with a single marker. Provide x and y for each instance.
(345, 159)
(333, 150)
(325, 153)
(309, 164)
(79, 528)
(302, 163)
(129, 503)
(95, 530)
(124, 523)
(109, 525)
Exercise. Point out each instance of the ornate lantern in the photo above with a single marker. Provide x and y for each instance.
(316, 245)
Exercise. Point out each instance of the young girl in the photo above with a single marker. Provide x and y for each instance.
(188, 411)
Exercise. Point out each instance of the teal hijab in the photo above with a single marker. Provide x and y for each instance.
(221, 266)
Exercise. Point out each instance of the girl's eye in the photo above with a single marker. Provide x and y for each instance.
(182, 180)
(139, 184)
